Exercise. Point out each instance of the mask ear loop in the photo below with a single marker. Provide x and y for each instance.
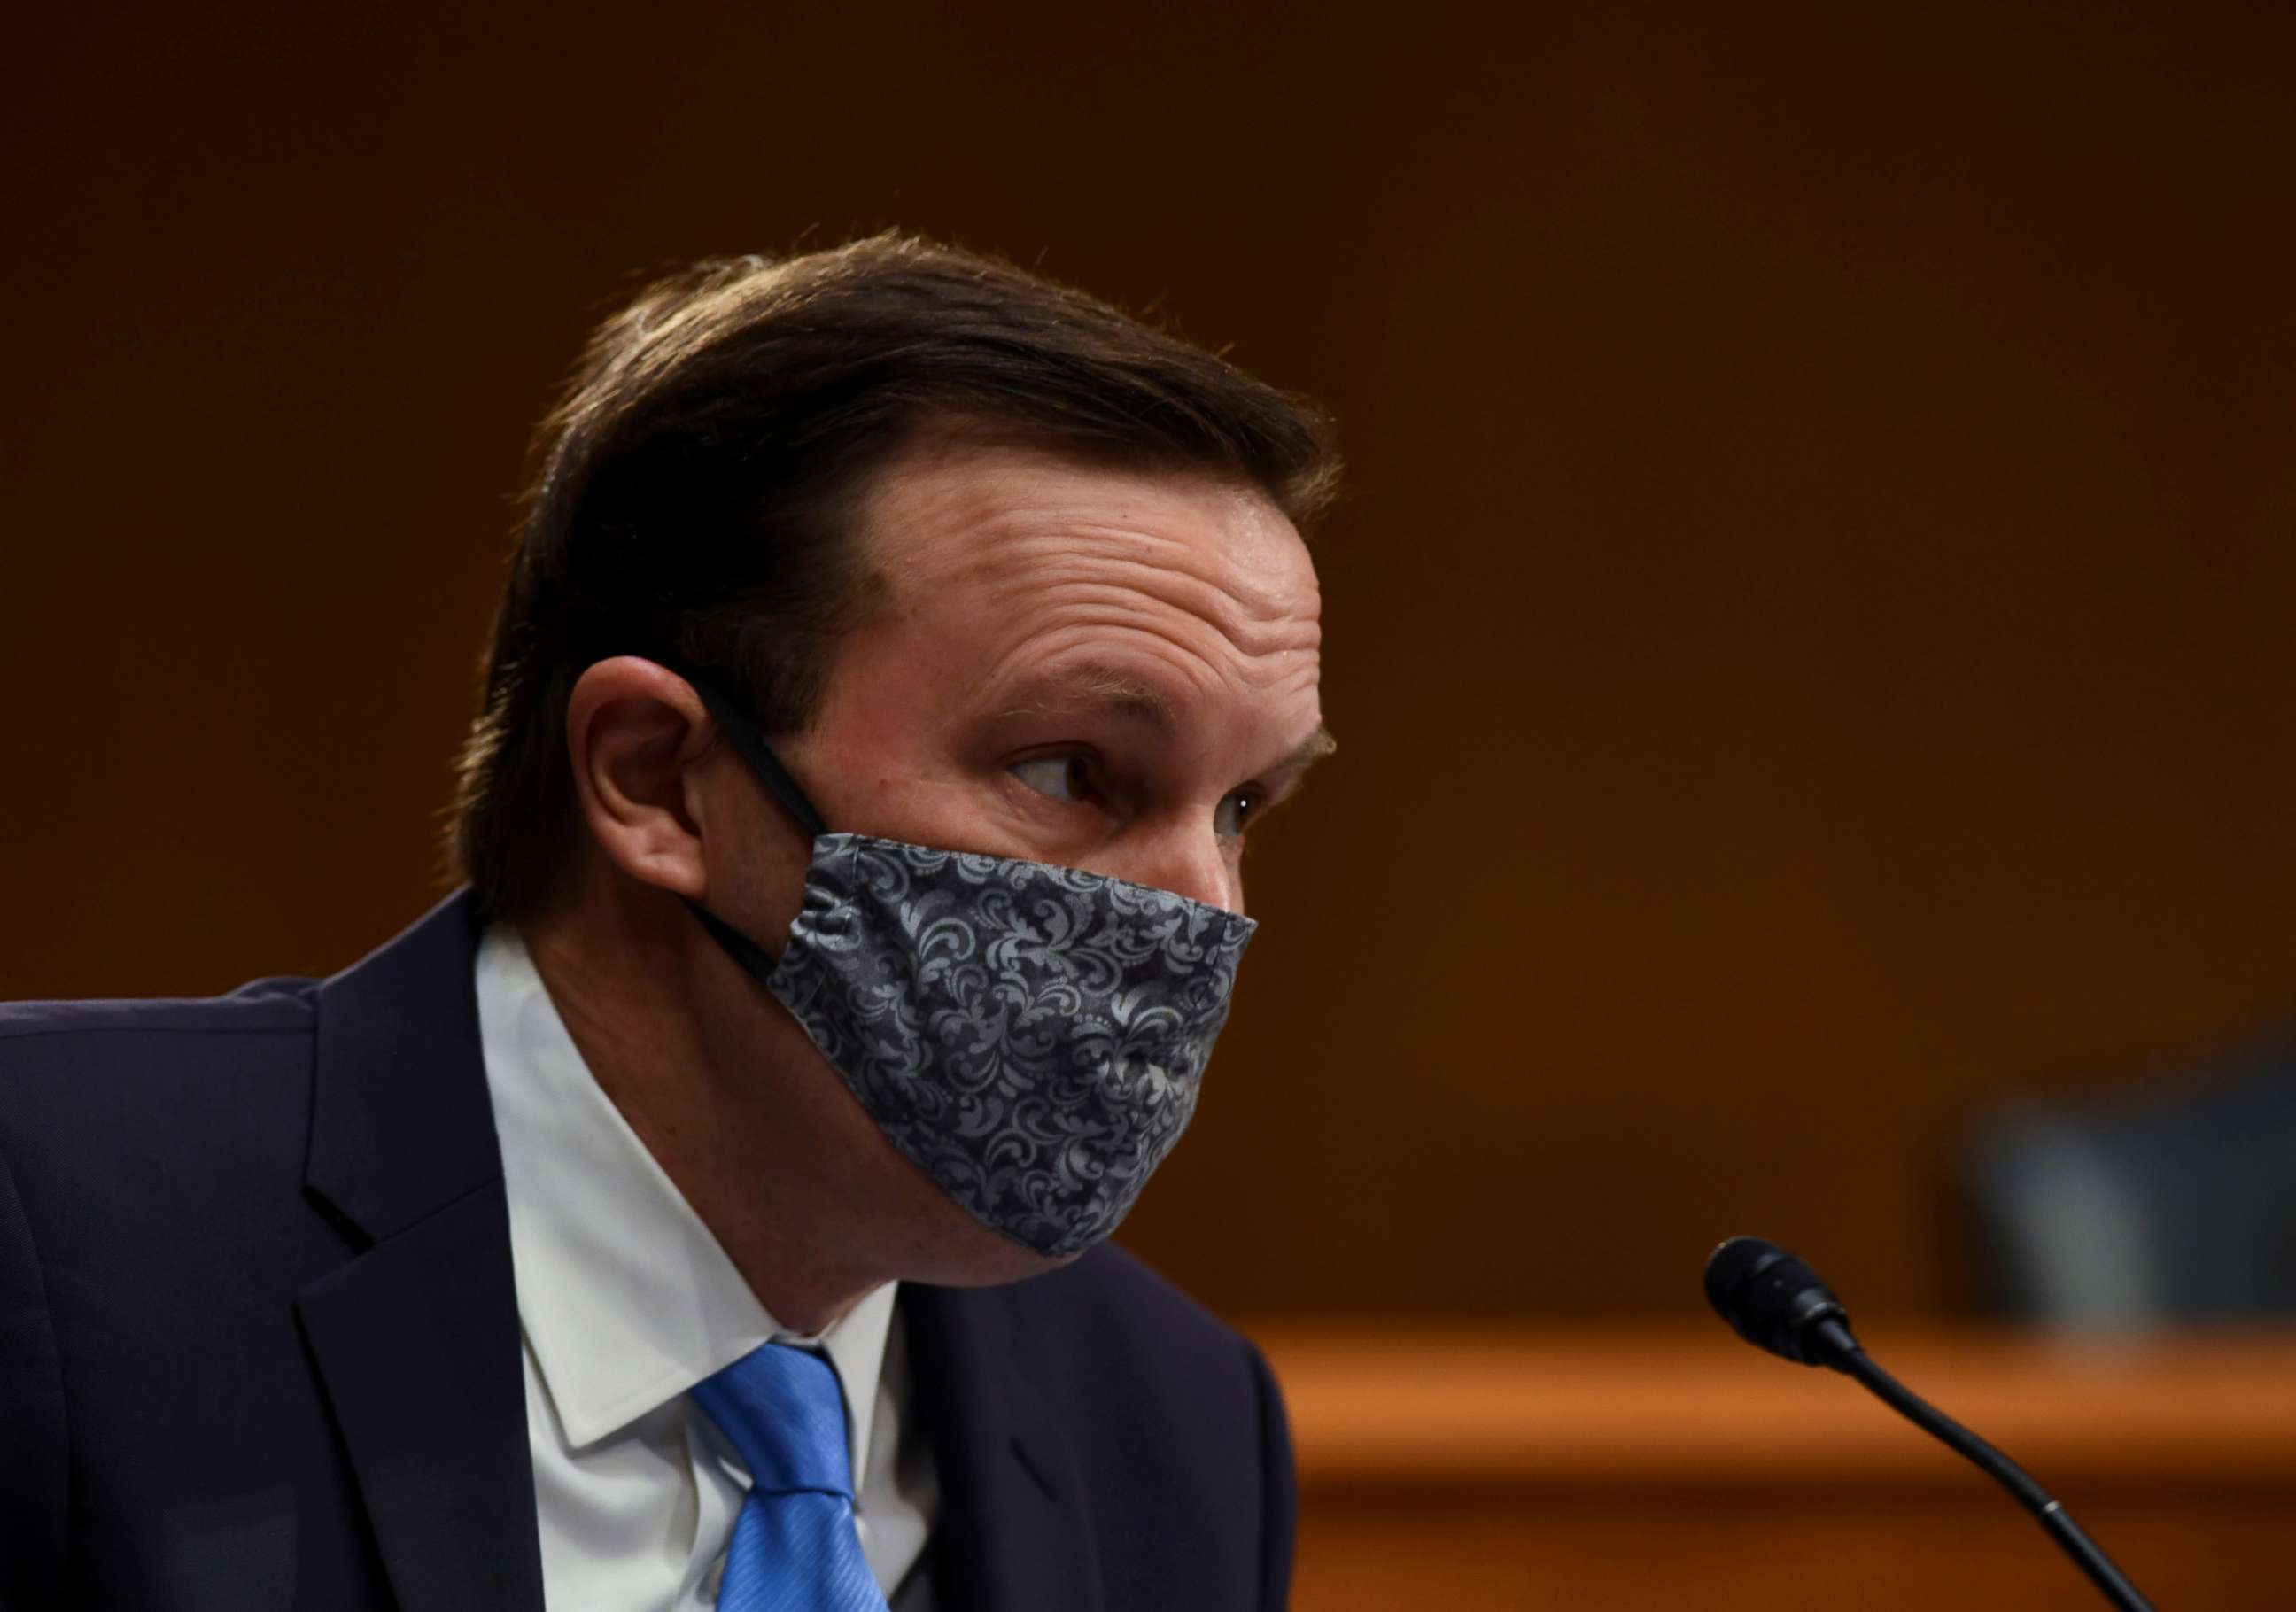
(754, 961)
(749, 744)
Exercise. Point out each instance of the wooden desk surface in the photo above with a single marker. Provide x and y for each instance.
(1678, 1467)
(1627, 1405)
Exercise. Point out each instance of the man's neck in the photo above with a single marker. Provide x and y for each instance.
(718, 1112)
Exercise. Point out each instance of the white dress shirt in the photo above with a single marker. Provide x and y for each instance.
(625, 1301)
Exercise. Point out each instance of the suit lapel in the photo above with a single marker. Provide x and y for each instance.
(417, 1344)
(1016, 1529)
(417, 1339)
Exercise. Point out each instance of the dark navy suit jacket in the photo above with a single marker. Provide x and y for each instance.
(260, 1343)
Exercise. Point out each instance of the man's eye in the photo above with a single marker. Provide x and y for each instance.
(1061, 777)
(1236, 812)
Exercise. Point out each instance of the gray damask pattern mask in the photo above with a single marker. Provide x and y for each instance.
(1031, 1037)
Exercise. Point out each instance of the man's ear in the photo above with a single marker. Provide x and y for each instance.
(634, 733)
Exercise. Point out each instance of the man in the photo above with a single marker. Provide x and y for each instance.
(706, 1205)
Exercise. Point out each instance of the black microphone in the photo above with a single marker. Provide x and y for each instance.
(1775, 1302)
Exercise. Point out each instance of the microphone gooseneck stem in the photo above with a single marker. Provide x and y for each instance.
(1843, 1353)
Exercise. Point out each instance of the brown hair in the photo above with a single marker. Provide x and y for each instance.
(697, 481)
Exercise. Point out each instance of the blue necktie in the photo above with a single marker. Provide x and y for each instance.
(794, 1547)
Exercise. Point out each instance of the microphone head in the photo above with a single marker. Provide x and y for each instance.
(1772, 1300)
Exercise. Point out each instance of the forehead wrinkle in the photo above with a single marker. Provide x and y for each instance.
(1020, 567)
(1199, 662)
(1025, 549)
(1225, 567)
(1140, 598)
(973, 502)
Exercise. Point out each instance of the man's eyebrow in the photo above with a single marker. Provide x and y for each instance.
(1305, 753)
(1094, 687)
(1311, 751)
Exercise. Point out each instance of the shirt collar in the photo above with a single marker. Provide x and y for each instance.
(626, 1298)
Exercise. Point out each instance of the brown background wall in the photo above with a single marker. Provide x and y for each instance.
(1810, 643)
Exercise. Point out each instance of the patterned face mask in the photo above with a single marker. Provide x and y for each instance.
(1030, 1037)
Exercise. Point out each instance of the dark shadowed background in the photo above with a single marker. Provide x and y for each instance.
(1809, 641)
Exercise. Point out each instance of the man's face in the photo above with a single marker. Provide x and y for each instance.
(1103, 670)
(1096, 668)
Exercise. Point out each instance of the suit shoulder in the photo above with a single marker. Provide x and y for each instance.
(145, 1107)
(267, 1007)
(63, 1058)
